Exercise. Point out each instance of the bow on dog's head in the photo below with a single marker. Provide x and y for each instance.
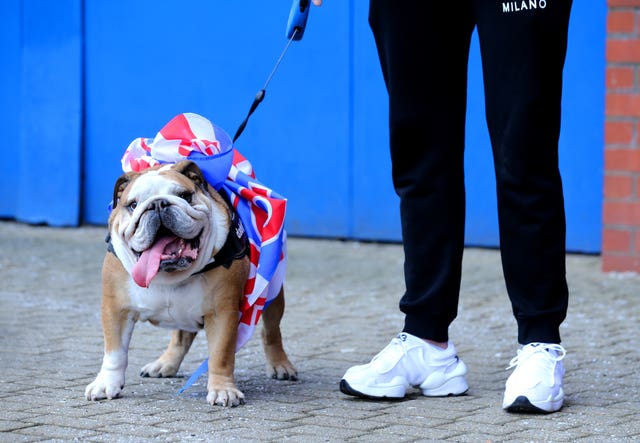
(187, 136)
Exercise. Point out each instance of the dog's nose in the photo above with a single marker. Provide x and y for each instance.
(160, 204)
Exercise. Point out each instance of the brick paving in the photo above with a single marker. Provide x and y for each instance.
(341, 309)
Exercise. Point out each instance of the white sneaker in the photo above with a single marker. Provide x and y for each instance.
(407, 361)
(536, 383)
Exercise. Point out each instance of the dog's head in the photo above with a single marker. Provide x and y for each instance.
(166, 223)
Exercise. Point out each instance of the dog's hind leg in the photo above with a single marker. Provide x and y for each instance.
(169, 362)
(278, 364)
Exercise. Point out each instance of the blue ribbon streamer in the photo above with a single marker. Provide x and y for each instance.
(204, 366)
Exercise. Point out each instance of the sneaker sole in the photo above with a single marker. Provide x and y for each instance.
(346, 388)
(446, 391)
(523, 405)
(452, 387)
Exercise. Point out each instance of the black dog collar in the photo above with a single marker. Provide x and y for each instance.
(236, 246)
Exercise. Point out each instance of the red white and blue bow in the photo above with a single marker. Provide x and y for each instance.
(261, 210)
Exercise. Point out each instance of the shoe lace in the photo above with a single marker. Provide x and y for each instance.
(532, 348)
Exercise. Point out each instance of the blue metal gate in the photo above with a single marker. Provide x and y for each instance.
(41, 110)
(81, 79)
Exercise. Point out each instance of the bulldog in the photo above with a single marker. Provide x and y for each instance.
(178, 258)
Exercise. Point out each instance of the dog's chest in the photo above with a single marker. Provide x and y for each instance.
(170, 306)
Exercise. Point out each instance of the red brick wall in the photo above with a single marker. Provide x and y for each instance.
(621, 211)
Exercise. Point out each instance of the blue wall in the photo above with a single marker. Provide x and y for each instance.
(10, 44)
(581, 138)
(41, 92)
(84, 78)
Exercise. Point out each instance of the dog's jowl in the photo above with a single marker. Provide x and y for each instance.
(178, 258)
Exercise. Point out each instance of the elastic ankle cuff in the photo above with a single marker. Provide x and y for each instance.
(430, 329)
(531, 331)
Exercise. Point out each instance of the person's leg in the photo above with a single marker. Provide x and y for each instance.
(523, 56)
(423, 49)
(523, 52)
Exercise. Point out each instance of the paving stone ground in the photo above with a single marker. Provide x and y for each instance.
(341, 309)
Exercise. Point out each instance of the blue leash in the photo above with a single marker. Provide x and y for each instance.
(295, 30)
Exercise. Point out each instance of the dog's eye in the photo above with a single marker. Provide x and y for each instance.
(187, 196)
(132, 206)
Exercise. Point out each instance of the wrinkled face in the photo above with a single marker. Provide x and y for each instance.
(166, 224)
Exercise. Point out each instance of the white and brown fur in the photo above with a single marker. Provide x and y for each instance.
(183, 300)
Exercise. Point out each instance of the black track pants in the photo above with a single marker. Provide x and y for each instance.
(423, 46)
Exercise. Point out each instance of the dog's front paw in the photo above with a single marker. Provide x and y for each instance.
(108, 384)
(225, 396)
(159, 368)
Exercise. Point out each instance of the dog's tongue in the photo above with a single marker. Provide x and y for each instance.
(149, 262)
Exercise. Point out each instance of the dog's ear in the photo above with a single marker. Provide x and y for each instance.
(121, 184)
(193, 172)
